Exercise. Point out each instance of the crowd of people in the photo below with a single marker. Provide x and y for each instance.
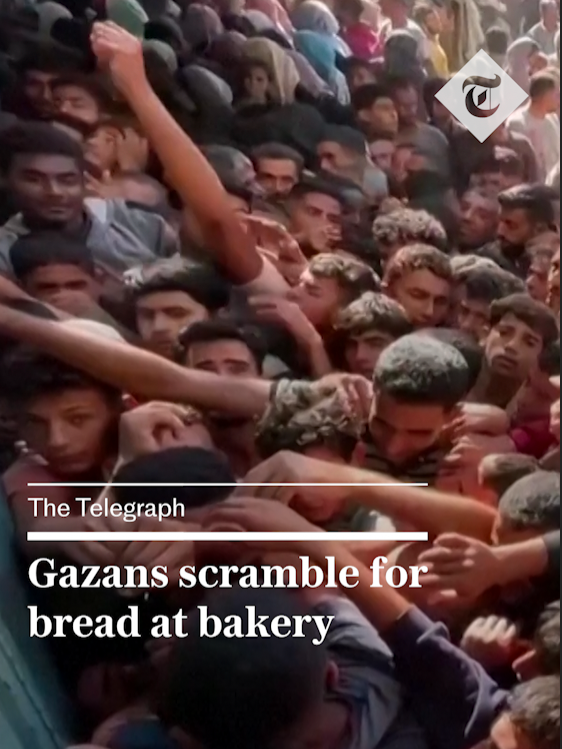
(245, 248)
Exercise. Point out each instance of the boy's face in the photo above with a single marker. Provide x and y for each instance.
(318, 298)
(553, 295)
(402, 431)
(162, 315)
(512, 348)
(425, 297)
(66, 287)
(362, 351)
(101, 148)
(472, 316)
(69, 429)
(228, 357)
(76, 102)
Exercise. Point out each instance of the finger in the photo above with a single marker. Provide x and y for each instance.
(453, 541)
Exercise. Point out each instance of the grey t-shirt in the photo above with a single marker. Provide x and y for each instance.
(368, 683)
(119, 236)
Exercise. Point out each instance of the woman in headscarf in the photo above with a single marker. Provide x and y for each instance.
(519, 59)
(312, 15)
(200, 25)
(322, 56)
(284, 74)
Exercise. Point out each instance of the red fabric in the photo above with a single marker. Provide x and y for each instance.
(363, 41)
(534, 438)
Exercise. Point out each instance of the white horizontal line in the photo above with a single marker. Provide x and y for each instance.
(222, 536)
(237, 485)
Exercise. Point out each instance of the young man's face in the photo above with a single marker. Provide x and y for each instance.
(425, 297)
(537, 277)
(472, 315)
(515, 227)
(381, 117)
(333, 158)
(66, 287)
(319, 298)
(479, 220)
(277, 177)
(382, 151)
(162, 315)
(312, 210)
(362, 351)
(69, 429)
(76, 102)
(360, 76)
(228, 357)
(407, 106)
(37, 89)
(402, 431)
(48, 190)
(512, 348)
(101, 148)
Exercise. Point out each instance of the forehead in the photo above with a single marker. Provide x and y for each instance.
(406, 94)
(381, 147)
(406, 416)
(277, 165)
(45, 163)
(425, 279)
(219, 350)
(476, 200)
(520, 215)
(321, 202)
(59, 272)
(509, 320)
(384, 102)
(73, 90)
(66, 400)
(166, 299)
(40, 75)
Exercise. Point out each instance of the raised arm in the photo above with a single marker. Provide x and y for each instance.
(186, 168)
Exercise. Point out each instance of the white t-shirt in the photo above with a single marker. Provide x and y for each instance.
(545, 39)
(544, 135)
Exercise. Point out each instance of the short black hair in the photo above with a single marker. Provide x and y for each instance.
(260, 686)
(208, 331)
(373, 311)
(365, 96)
(45, 59)
(485, 283)
(347, 137)
(538, 200)
(37, 139)
(542, 83)
(201, 282)
(320, 185)
(201, 473)
(503, 161)
(431, 88)
(536, 315)
(533, 503)
(497, 40)
(351, 63)
(409, 226)
(40, 249)
(547, 639)
(26, 374)
(465, 344)
(418, 370)
(534, 709)
(500, 472)
(277, 152)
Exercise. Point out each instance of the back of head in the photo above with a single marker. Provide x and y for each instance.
(417, 369)
(547, 639)
(465, 344)
(534, 710)
(40, 249)
(532, 503)
(242, 691)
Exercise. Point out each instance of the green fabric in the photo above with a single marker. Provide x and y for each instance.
(128, 14)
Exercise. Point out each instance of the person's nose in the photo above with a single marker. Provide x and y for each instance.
(57, 438)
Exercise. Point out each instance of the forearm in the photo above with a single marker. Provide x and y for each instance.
(522, 561)
(426, 509)
(318, 360)
(135, 371)
(199, 187)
